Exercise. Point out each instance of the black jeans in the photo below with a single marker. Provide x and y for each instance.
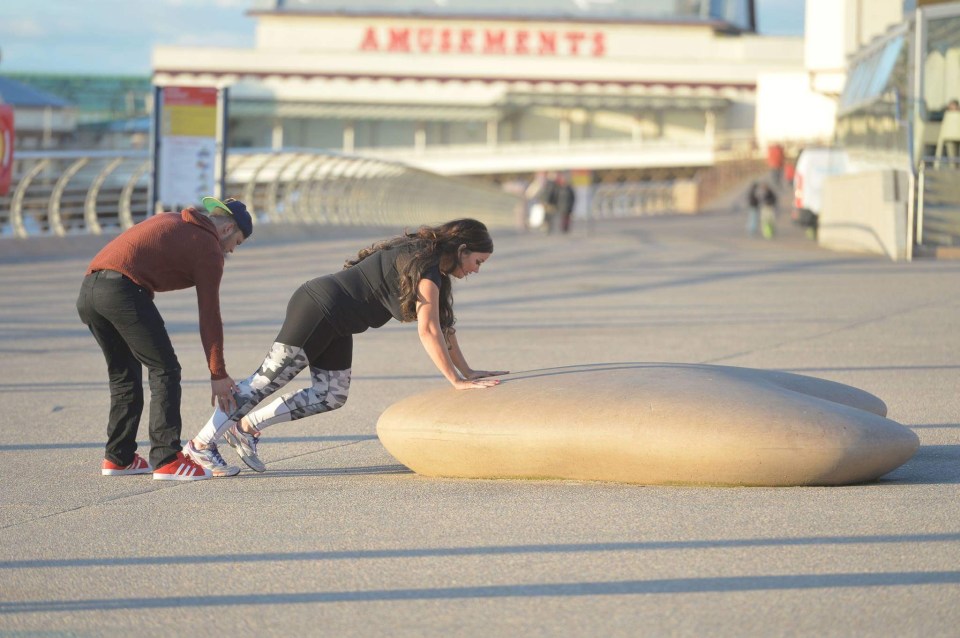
(127, 325)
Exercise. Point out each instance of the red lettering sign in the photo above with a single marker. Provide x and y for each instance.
(495, 41)
(486, 41)
(574, 38)
(599, 44)
(548, 43)
(445, 39)
(424, 40)
(6, 147)
(369, 40)
(520, 46)
(466, 40)
(399, 40)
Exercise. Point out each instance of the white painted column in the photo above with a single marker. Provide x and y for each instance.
(47, 140)
(492, 132)
(420, 138)
(565, 130)
(710, 130)
(276, 137)
(348, 137)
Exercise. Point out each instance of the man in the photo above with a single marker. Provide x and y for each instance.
(169, 251)
(563, 198)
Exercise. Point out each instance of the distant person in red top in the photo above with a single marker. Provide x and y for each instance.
(169, 251)
(775, 160)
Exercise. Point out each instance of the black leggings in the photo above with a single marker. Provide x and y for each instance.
(307, 327)
(306, 338)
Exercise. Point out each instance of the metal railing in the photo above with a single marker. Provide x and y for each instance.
(58, 193)
(61, 193)
(938, 202)
(632, 199)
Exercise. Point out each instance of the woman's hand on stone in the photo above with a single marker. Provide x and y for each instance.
(477, 384)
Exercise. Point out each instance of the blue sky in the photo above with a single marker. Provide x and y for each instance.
(117, 36)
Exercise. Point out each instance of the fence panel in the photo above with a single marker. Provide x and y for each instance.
(938, 203)
(61, 193)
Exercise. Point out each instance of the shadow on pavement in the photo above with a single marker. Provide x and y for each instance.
(614, 588)
(571, 548)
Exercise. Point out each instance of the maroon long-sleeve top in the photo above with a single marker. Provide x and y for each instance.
(173, 251)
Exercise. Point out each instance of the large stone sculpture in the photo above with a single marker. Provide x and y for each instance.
(653, 424)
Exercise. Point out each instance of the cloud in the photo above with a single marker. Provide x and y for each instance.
(219, 4)
(22, 28)
(113, 36)
(207, 39)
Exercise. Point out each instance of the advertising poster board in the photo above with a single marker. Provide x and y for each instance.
(188, 160)
(6, 147)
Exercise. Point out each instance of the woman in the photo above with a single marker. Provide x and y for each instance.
(407, 278)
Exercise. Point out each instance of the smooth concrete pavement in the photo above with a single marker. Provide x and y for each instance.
(337, 538)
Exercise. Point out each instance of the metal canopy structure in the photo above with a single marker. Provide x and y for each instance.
(723, 14)
(331, 110)
(669, 99)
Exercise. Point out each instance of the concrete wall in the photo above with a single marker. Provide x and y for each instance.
(866, 212)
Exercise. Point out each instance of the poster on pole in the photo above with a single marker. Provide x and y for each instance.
(188, 160)
(6, 148)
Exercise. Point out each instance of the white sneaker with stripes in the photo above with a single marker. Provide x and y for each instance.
(246, 446)
(209, 458)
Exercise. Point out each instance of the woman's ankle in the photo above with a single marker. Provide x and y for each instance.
(244, 426)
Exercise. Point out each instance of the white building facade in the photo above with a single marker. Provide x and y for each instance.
(482, 88)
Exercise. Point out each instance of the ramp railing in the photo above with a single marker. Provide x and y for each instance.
(61, 193)
(938, 203)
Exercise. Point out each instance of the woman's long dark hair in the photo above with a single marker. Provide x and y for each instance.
(432, 246)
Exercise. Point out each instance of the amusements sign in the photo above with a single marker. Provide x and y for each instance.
(6, 147)
(188, 154)
(540, 42)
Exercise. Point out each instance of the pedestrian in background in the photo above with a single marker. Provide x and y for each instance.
(753, 209)
(562, 199)
(775, 161)
(767, 199)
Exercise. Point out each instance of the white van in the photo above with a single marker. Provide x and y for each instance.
(814, 165)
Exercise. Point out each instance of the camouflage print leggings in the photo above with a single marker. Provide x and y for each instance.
(328, 391)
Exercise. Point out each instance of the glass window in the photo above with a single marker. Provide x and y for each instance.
(870, 78)
(942, 80)
(884, 68)
(875, 100)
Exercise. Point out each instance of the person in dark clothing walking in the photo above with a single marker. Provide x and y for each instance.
(753, 209)
(169, 251)
(761, 212)
(562, 198)
(768, 210)
(405, 278)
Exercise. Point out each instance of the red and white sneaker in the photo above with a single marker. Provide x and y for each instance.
(137, 466)
(180, 469)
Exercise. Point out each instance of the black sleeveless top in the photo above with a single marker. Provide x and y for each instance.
(365, 295)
